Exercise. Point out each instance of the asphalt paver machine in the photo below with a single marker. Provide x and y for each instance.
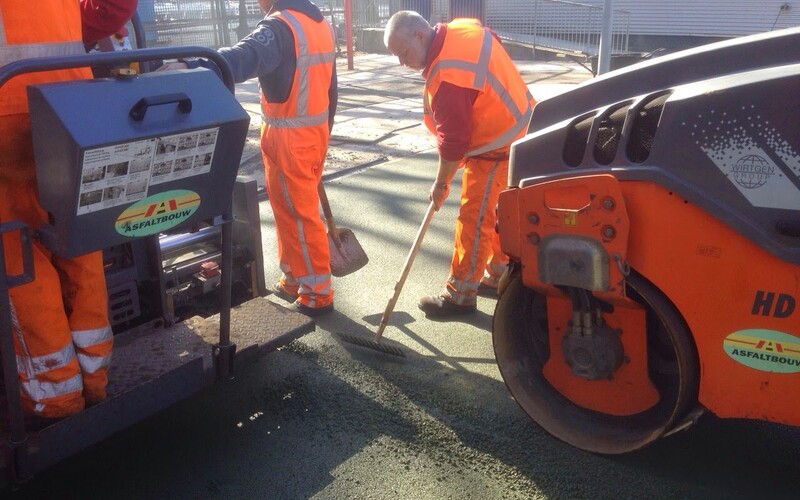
(144, 167)
(653, 224)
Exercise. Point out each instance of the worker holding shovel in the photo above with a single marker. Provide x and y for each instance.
(292, 52)
(476, 104)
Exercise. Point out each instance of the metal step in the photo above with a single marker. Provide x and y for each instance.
(150, 371)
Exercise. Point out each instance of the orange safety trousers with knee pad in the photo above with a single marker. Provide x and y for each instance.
(476, 252)
(471, 57)
(294, 142)
(62, 336)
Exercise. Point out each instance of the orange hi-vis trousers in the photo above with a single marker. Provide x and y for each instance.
(293, 172)
(476, 252)
(62, 336)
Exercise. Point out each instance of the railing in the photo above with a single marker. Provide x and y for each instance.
(556, 25)
(545, 24)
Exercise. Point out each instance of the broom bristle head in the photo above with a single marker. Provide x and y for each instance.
(371, 344)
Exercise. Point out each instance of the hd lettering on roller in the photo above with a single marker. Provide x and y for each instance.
(778, 305)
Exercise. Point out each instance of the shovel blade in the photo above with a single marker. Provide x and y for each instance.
(349, 257)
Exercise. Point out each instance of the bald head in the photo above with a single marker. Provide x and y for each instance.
(408, 36)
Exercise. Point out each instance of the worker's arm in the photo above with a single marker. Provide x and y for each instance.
(259, 53)
(102, 18)
(452, 113)
(444, 176)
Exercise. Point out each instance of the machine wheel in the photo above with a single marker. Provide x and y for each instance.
(521, 345)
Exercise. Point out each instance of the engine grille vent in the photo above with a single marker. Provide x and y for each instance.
(609, 133)
(577, 139)
(644, 127)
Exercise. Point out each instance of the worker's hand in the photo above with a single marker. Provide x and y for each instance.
(439, 192)
(173, 66)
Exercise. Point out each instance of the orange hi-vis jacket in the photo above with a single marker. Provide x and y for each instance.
(62, 337)
(25, 34)
(294, 142)
(504, 105)
(306, 108)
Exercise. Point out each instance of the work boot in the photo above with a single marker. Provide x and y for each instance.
(283, 293)
(436, 306)
(312, 312)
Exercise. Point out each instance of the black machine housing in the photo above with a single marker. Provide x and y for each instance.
(716, 124)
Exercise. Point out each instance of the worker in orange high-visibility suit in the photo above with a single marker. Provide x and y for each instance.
(476, 104)
(62, 335)
(292, 52)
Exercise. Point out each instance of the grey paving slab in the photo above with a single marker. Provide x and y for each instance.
(379, 114)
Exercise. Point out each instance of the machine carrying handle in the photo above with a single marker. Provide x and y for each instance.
(139, 109)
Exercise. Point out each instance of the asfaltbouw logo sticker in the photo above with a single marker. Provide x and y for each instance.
(157, 213)
(765, 350)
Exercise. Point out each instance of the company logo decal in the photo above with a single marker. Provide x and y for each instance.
(765, 350)
(757, 157)
(752, 171)
(157, 213)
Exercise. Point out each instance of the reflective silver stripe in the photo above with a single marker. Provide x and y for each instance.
(296, 122)
(89, 338)
(39, 391)
(11, 53)
(90, 364)
(304, 62)
(24, 363)
(321, 58)
(41, 364)
(482, 69)
(301, 235)
(463, 290)
(308, 286)
(507, 137)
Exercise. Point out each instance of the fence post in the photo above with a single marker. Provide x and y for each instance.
(604, 52)
(348, 23)
(242, 30)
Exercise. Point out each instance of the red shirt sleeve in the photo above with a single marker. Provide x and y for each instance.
(452, 113)
(102, 18)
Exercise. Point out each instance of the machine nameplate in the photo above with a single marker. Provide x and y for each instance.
(119, 174)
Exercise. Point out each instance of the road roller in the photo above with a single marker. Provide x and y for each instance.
(652, 220)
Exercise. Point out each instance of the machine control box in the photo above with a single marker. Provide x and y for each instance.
(118, 159)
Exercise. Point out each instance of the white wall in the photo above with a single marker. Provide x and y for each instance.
(705, 17)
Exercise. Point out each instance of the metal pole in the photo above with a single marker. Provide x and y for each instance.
(348, 23)
(16, 438)
(225, 351)
(604, 53)
(242, 30)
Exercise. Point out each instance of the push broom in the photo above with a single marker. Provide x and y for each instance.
(375, 343)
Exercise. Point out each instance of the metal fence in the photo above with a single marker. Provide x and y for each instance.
(546, 24)
(556, 25)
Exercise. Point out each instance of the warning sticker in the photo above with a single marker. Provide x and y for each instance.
(157, 213)
(123, 173)
(765, 350)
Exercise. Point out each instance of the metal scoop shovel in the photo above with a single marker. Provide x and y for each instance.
(347, 256)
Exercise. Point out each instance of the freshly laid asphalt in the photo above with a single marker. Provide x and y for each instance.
(326, 419)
